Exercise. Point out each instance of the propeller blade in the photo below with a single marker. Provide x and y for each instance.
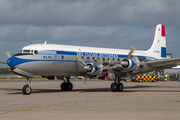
(109, 61)
(8, 54)
(9, 76)
(85, 81)
(130, 53)
(81, 60)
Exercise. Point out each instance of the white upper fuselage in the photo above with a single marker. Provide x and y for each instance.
(88, 51)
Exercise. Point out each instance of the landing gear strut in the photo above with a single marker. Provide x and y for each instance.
(117, 85)
(27, 88)
(66, 85)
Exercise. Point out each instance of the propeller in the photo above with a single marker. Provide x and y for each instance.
(84, 85)
(98, 64)
(125, 62)
(85, 67)
(9, 76)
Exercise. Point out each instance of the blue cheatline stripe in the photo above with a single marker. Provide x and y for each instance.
(163, 51)
(87, 54)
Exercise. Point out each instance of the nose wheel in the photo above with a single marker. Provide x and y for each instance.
(27, 88)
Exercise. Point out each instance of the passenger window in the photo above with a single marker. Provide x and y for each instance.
(87, 58)
(93, 58)
(82, 57)
(35, 52)
(62, 57)
(103, 59)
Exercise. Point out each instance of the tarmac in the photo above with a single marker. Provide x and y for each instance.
(138, 101)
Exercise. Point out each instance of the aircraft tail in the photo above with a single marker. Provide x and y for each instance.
(158, 48)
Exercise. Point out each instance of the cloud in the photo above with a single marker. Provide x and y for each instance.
(101, 23)
(70, 34)
(89, 12)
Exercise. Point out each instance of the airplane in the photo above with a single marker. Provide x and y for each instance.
(53, 60)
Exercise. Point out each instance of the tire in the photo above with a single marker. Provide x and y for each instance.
(63, 86)
(69, 86)
(113, 87)
(26, 90)
(120, 87)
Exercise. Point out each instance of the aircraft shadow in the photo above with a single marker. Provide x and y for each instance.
(127, 89)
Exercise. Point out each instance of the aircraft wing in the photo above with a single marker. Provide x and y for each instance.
(148, 66)
(164, 62)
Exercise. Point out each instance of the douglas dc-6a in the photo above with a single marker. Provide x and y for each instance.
(50, 60)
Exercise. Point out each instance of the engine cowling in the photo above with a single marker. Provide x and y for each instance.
(93, 69)
(131, 64)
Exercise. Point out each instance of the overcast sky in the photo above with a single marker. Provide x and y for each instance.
(100, 23)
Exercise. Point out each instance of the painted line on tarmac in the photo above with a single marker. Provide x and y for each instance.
(80, 101)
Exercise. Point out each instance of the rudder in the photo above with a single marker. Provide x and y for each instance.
(158, 48)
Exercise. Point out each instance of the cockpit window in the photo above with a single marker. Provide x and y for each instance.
(26, 51)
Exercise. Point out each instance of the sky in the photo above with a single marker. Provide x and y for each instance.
(97, 23)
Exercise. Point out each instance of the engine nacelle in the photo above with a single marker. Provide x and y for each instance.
(22, 73)
(131, 64)
(94, 69)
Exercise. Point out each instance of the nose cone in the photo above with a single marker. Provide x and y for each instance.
(9, 62)
(12, 61)
(15, 61)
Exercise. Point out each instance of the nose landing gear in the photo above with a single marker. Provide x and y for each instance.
(27, 88)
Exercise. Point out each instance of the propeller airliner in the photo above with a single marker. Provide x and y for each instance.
(52, 60)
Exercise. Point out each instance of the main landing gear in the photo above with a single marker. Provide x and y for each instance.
(117, 85)
(66, 85)
(27, 88)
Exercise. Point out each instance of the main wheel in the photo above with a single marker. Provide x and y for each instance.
(113, 87)
(26, 90)
(69, 86)
(120, 87)
(63, 86)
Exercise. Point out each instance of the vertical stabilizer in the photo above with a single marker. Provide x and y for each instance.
(158, 48)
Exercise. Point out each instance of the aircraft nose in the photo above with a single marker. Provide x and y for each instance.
(11, 61)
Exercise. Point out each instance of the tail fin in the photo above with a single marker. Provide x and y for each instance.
(158, 48)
